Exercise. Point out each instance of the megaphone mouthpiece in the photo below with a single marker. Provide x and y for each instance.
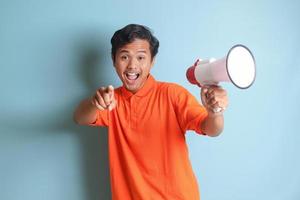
(190, 75)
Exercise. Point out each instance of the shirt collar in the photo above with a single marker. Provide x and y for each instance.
(146, 88)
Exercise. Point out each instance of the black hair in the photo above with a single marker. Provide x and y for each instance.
(131, 32)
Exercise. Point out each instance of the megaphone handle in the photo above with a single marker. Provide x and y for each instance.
(215, 110)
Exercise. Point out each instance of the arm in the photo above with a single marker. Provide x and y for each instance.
(86, 112)
(213, 124)
(212, 98)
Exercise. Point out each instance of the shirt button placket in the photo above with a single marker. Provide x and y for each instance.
(130, 111)
(133, 112)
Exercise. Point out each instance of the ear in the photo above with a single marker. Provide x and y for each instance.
(113, 60)
(152, 62)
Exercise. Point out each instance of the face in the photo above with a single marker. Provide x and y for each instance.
(133, 63)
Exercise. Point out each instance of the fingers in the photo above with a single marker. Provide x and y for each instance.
(214, 98)
(215, 91)
(104, 98)
(112, 105)
(95, 102)
(203, 95)
(99, 98)
(110, 90)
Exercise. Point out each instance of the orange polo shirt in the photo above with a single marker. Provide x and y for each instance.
(148, 154)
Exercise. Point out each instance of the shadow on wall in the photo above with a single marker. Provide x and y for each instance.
(94, 140)
(91, 57)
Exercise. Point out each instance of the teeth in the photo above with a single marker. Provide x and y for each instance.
(132, 75)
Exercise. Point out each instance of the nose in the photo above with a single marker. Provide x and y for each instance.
(132, 64)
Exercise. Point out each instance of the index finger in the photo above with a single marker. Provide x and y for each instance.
(110, 90)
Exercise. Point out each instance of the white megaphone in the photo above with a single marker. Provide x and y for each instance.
(238, 67)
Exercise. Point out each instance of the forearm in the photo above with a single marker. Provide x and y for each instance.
(85, 113)
(213, 125)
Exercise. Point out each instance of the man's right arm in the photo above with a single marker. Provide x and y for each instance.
(87, 111)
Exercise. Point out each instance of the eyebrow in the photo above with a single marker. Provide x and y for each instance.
(139, 51)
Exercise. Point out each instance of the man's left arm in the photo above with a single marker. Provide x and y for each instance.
(215, 100)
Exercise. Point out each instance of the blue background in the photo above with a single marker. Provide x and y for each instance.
(55, 53)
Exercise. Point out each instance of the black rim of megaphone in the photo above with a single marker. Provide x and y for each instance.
(240, 45)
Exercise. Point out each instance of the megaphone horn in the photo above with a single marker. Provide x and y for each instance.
(238, 67)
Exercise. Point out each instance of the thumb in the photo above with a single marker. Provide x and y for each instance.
(112, 105)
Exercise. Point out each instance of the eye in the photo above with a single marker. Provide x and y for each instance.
(124, 57)
(141, 57)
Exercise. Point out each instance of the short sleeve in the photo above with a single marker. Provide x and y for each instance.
(102, 118)
(190, 113)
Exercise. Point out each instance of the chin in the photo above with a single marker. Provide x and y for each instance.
(132, 89)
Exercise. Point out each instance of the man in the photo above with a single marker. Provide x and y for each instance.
(147, 121)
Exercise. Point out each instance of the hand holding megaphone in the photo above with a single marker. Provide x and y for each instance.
(214, 98)
(237, 67)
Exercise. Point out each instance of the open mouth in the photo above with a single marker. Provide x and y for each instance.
(132, 75)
